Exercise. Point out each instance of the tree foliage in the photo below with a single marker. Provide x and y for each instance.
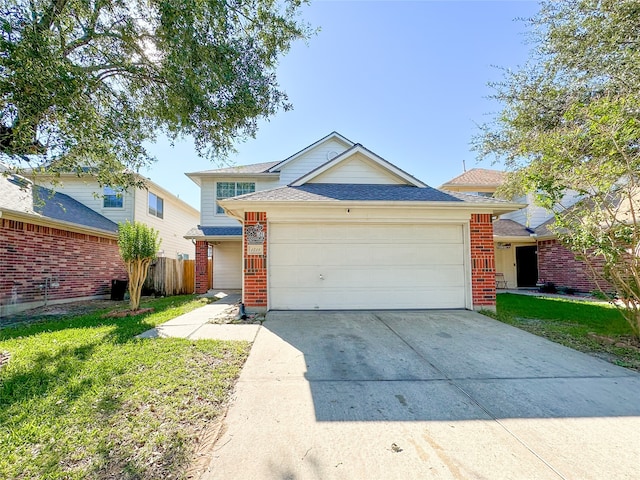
(84, 83)
(139, 245)
(570, 127)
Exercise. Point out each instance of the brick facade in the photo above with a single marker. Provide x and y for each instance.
(254, 290)
(202, 267)
(483, 269)
(558, 264)
(82, 264)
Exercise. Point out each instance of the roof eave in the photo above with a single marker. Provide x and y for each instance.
(213, 238)
(514, 238)
(495, 208)
(48, 221)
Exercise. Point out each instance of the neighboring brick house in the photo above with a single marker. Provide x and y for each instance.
(335, 226)
(52, 248)
(527, 252)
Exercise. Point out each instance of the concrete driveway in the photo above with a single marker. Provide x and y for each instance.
(414, 395)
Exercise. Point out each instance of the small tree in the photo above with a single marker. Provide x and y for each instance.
(139, 244)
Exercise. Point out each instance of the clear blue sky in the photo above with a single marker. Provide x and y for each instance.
(408, 80)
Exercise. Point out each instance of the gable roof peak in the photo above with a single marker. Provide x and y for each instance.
(332, 135)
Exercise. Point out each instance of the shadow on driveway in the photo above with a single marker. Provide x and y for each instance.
(445, 366)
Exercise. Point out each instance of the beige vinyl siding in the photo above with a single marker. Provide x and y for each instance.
(506, 264)
(366, 266)
(309, 161)
(177, 220)
(357, 169)
(227, 265)
(208, 215)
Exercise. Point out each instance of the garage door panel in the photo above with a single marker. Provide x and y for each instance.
(369, 299)
(383, 254)
(372, 276)
(366, 266)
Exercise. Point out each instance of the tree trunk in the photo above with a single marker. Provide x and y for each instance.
(137, 270)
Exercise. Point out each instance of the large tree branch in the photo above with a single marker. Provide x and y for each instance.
(50, 14)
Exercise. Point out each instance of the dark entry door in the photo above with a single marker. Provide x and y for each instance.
(527, 266)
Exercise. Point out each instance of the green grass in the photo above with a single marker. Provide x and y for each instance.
(82, 398)
(592, 327)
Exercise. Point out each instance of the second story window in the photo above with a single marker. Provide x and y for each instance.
(112, 198)
(232, 189)
(156, 205)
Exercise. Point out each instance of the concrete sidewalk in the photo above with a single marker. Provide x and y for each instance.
(195, 324)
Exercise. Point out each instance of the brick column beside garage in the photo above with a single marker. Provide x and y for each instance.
(202, 267)
(254, 292)
(483, 268)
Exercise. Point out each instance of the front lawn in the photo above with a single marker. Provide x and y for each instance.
(80, 397)
(592, 327)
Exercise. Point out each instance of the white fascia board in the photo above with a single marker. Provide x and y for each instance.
(331, 136)
(214, 238)
(512, 239)
(236, 208)
(369, 155)
(197, 177)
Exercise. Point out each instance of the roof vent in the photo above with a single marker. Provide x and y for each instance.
(331, 155)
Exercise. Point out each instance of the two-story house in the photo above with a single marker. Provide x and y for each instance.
(153, 206)
(53, 248)
(335, 226)
(527, 252)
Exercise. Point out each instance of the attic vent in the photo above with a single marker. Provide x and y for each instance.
(331, 155)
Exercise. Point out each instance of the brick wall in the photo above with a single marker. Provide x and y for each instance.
(202, 267)
(483, 269)
(83, 264)
(559, 265)
(254, 291)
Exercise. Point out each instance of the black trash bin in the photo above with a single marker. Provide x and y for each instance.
(118, 289)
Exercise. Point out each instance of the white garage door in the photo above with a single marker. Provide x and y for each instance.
(384, 266)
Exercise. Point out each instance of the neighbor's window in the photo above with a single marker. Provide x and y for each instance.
(232, 189)
(156, 205)
(112, 198)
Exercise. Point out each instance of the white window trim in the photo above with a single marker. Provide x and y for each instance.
(215, 191)
(148, 206)
(122, 193)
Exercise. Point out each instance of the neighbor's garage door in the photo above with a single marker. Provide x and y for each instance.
(384, 266)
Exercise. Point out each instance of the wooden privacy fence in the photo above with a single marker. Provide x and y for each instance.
(168, 276)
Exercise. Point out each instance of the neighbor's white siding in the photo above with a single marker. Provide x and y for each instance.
(176, 221)
(89, 193)
(227, 265)
(531, 216)
(357, 169)
(310, 161)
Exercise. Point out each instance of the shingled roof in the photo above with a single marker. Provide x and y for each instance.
(204, 231)
(509, 228)
(478, 177)
(19, 195)
(252, 168)
(358, 192)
